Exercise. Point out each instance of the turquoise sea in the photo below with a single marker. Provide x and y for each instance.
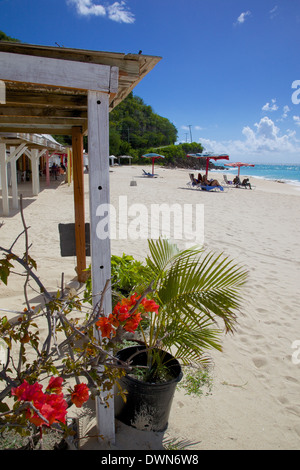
(285, 173)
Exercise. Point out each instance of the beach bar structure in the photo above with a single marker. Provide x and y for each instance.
(34, 146)
(57, 90)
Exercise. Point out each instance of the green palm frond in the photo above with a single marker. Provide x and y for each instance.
(164, 254)
(196, 291)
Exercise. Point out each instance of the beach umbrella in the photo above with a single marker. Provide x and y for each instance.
(112, 159)
(238, 165)
(153, 157)
(129, 157)
(208, 157)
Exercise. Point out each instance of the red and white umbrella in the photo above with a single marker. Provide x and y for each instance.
(238, 165)
(153, 157)
(208, 157)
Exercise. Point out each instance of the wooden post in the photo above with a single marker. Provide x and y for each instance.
(69, 168)
(3, 165)
(14, 154)
(47, 169)
(34, 158)
(98, 139)
(77, 145)
(14, 182)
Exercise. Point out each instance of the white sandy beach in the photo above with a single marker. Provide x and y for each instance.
(255, 401)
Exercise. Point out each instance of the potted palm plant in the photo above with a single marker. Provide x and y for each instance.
(186, 293)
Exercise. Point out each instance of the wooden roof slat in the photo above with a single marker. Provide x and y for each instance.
(49, 111)
(45, 98)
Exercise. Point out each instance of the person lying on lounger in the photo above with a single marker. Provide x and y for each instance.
(209, 183)
(194, 180)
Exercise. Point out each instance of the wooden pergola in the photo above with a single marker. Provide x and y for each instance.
(56, 90)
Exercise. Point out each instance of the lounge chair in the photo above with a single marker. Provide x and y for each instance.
(226, 180)
(149, 175)
(210, 188)
(193, 181)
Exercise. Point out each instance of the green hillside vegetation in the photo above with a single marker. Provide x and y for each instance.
(4, 37)
(134, 128)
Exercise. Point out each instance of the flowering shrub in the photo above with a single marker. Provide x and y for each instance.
(46, 408)
(127, 314)
(70, 349)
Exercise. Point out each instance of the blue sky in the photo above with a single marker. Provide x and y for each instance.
(227, 68)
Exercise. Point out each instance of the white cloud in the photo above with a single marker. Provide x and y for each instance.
(262, 142)
(297, 120)
(87, 7)
(273, 12)
(241, 19)
(286, 109)
(115, 12)
(270, 106)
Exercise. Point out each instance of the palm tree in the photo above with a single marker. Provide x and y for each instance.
(195, 291)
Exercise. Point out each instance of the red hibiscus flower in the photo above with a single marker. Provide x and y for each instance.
(133, 322)
(105, 327)
(80, 395)
(150, 305)
(55, 385)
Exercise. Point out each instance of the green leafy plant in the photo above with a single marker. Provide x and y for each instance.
(127, 276)
(197, 381)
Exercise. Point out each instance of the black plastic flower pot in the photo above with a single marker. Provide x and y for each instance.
(147, 406)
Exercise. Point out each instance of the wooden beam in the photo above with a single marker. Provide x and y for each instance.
(35, 128)
(56, 72)
(15, 153)
(41, 112)
(98, 135)
(45, 97)
(41, 121)
(78, 184)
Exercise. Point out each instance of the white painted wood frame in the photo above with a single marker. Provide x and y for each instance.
(35, 179)
(98, 135)
(58, 72)
(14, 154)
(4, 182)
